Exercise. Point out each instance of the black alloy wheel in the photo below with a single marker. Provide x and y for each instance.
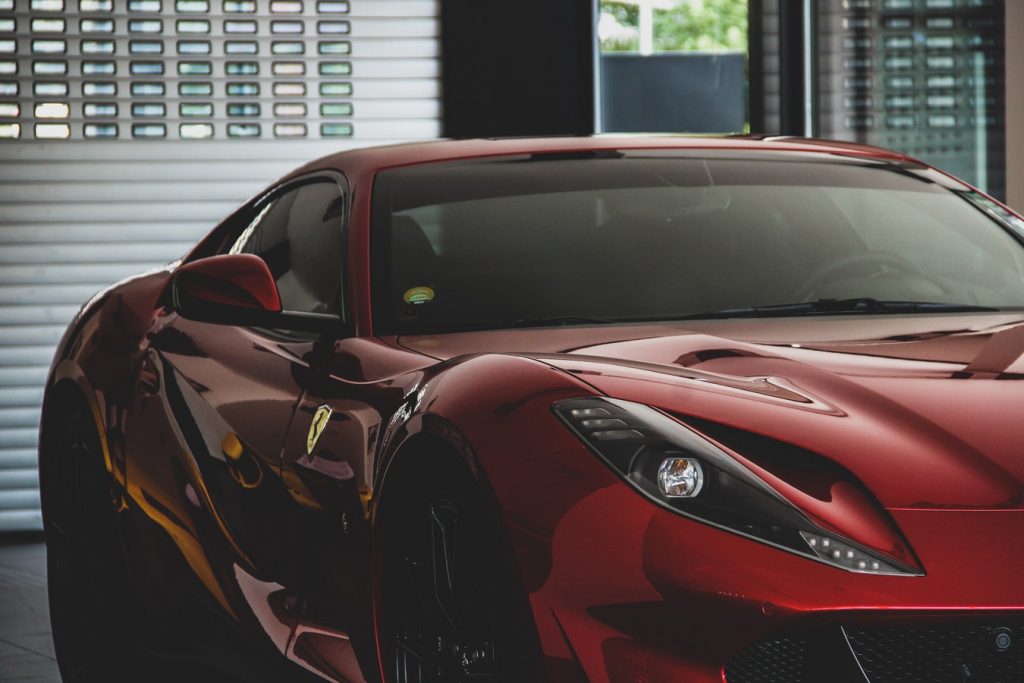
(85, 564)
(451, 608)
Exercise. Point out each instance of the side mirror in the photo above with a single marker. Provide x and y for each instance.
(238, 289)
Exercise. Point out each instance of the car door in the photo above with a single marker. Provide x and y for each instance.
(215, 403)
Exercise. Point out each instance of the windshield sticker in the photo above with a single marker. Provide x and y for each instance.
(418, 295)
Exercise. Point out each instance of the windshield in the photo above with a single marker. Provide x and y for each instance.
(654, 235)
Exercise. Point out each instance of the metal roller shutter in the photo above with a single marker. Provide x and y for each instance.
(99, 178)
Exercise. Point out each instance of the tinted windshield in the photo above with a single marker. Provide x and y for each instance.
(656, 235)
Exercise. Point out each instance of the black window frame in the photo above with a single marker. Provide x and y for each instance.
(224, 236)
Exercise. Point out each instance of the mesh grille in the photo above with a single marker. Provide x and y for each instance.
(939, 654)
(780, 660)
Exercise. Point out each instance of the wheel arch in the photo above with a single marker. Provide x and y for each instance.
(69, 389)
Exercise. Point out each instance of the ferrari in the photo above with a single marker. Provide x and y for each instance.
(729, 409)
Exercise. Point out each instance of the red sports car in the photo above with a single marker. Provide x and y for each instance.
(586, 409)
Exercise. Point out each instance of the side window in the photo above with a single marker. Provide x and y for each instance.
(299, 234)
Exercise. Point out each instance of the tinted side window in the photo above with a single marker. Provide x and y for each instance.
(299, 234)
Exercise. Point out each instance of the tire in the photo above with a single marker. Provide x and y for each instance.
(451, 607)
(85, 564)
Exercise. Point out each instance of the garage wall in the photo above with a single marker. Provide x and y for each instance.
(88, 199)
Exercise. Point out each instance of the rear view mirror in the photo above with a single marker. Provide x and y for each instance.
(238, 289)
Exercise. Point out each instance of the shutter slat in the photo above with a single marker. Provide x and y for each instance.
(79, 215)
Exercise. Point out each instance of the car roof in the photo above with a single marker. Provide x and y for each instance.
(371, 159)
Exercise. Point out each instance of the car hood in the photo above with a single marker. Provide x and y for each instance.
(925, 410)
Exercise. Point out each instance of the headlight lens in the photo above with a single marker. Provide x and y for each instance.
(678, 468)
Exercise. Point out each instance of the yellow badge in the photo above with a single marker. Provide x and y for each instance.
(316, 428)
(418, 295)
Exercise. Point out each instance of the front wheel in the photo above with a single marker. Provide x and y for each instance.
(450, 604)
(85, 565)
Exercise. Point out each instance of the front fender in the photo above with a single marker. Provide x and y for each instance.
(495, 409)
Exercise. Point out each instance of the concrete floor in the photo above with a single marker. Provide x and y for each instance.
(26, 650)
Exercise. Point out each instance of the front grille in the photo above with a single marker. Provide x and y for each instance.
(920, 653)
(940, 654)
(780, 660)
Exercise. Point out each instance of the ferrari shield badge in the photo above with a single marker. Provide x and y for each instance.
(316, 428)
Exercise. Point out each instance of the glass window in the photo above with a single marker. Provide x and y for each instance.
(195, 131)
(341, 47)
(332, 7)
(335, 89)
(93, 88)
(145, 26)
(941, 64)
(149, 109)
(48, 68)
(335, 68)
(299, 235)
(195, 68)
(48, 25)
(49, 89)
(658, 58)
(52, 131)
(241, 47)
(243, 109)
(147, 88)
(193, 26)
(286, 27)
(100, 130)
(96, 25)
(149, 130)
(286, 109)
(651, 235)
(238, 26)
(243, 130)
(239, 6)
(243, 89)
(289, 89)
(332, 27)
(196, 109)
(336, 130)
(288, 47)
(336, 109)
(289, 130)
(289, 68)
(146, 68)
(53, 47)
(52, 110)
(99, 109)
(202, 89)
(194, 47)
(141, 47)
(241, 68)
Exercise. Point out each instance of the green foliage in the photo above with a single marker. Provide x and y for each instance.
(627, 16)
(707, 26)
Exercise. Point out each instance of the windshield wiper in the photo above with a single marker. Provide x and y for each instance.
(862, 305)
(558, 320)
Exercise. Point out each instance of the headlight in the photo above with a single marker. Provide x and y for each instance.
(681, 470)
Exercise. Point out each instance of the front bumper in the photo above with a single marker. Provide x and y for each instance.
(625, 591)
